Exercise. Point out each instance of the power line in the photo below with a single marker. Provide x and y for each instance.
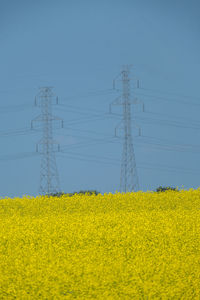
(163, 122)
(85, 120)
(88, 131)
(81, 109)
(166, 147)
(166, 123)
(172, 142)
(91, 143)
(194, 125)
(14, 108)
(170, 93)
(87, 159)
(148, 166)
(91, 115)
(18, 132)
(182, 119)
(17, 156)
(90, 94)
(167, 99)
(168, 168)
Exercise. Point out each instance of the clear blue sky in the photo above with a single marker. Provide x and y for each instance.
(78, 47)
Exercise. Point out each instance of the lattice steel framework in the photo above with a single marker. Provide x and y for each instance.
(129, 178)
(49, 178)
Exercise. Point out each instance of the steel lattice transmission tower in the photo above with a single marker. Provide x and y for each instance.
(129, 178)
(49, 178)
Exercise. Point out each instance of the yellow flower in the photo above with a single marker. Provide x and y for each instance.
(111, 246)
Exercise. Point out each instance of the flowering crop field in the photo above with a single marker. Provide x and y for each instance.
(143, 245)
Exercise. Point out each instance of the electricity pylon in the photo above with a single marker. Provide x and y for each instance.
(49, 178)
(129, 178)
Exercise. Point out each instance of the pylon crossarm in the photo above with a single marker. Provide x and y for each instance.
(138, 101)
(138, 127)
(115, 79)
(117, 101)
(119, 126)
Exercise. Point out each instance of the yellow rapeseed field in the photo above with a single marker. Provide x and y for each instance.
(143, 245)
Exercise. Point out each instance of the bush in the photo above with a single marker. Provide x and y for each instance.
(166, 188)
(82, 192)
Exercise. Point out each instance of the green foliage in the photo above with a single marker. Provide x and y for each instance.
(82, 192)
(88, 192)
(57, 194)
(166, 188)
